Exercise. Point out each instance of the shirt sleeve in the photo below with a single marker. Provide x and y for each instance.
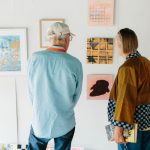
(126, 96)
(111, 109)
(79, 80)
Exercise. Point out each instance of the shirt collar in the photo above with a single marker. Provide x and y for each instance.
(133, 55)
(56, 48)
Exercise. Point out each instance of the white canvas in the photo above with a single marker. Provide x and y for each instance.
(8, 117)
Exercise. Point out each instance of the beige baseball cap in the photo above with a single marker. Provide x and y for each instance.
(59, 29)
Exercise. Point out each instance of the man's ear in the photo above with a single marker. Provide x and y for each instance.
(66, 39)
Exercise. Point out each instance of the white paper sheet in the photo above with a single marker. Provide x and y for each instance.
(8, 118)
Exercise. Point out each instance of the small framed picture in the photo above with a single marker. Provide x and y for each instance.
(100, 50)
(13, 51)
(44, 25)
(99, 86)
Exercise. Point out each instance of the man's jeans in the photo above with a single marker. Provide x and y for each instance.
(61, 143)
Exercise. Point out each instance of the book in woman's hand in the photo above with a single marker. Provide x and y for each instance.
(130, 135)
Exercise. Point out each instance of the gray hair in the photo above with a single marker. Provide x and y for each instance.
(58, 31)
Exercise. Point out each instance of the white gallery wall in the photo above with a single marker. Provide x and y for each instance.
(91, 115)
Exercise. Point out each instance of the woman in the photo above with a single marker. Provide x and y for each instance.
(129, 100)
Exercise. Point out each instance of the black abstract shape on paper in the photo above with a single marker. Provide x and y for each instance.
(91, 59)
(100, 88)
(93, 45)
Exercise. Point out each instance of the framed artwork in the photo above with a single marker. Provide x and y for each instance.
(13, 51)
(99, 50)
(44, 25)
(101, 12)
(99, 86)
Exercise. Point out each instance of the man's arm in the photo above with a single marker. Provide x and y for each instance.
(79, 82)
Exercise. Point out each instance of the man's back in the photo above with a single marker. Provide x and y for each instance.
(54, 81)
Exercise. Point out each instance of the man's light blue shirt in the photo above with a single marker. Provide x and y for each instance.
(54, 86)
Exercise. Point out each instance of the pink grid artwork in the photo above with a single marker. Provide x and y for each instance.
(101, 12)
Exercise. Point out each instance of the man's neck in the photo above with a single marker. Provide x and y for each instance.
(57, 48)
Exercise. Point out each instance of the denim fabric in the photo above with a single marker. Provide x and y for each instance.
(61, 143)
(143, 142)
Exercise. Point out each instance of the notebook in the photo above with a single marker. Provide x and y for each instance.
(130, 135)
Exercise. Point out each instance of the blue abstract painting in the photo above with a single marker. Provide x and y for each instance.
(10, 53)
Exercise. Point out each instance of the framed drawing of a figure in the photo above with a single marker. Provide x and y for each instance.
(44, 25)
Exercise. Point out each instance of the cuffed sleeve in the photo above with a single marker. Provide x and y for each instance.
(124, 125)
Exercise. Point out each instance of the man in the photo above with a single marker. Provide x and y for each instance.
(54, 85)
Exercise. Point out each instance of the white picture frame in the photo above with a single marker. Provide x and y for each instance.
(44, 25)
(13, 51)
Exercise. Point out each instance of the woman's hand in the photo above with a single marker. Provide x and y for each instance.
(118, 135)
